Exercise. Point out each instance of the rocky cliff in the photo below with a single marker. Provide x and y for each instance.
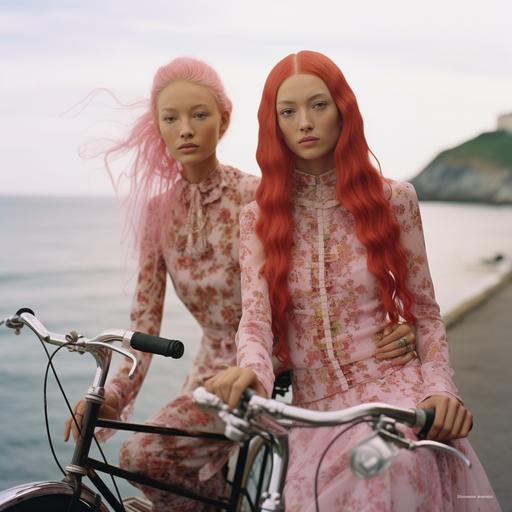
(479, 170)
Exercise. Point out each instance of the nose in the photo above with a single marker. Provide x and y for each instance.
(305, 123)
(186, 131)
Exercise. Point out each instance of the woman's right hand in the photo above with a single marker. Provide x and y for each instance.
(109, 410)
(230, 383)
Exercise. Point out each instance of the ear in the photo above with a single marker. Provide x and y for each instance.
(224, 123)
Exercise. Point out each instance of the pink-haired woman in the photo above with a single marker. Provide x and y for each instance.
(328, 252)
(185, 206)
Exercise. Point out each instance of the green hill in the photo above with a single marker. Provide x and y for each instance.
(479, 170)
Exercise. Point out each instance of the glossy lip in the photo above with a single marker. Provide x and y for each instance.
(188, 145)
(308, 139)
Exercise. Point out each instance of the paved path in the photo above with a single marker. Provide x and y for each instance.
(481, 353)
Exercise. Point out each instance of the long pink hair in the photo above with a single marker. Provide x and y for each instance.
(360, 188)
(152, 171)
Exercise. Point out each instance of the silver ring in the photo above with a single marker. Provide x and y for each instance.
(402, 342)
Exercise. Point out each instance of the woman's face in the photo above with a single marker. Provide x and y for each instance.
(190, 122)
(309, 122)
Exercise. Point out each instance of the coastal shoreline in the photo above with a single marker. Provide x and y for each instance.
(457, 313)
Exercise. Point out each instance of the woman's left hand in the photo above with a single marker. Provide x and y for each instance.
(452, 420)
(397, 344)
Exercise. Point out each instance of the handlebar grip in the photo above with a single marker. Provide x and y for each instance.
(430, 415)
(157, 345)
(25, 310)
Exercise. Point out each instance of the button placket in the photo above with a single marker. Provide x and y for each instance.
(328, 342)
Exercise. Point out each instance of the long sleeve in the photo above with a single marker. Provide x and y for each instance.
(432, 344)
(254, 337)
(146, 316)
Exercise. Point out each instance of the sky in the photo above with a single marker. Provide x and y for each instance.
(427, 75)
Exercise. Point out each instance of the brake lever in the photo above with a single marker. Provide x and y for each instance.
(435, 445)
(206, 399)
(397, 437)
(237, 428)
(121, 351)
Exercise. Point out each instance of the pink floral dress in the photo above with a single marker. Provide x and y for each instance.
(335, 318)
(200, 254)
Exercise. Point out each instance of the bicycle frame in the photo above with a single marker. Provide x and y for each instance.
(81, 463)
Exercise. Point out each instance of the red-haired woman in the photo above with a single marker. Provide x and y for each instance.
(185, 207)
(329, 252)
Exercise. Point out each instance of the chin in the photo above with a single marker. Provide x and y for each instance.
(310, 155)
(191, 159)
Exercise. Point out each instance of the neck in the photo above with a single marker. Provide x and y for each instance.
(195, 173)
(316, 166)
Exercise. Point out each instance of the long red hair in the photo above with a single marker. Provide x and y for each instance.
(359, 188)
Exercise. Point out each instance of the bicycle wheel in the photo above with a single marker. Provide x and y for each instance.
(48, 496)
(256, 475)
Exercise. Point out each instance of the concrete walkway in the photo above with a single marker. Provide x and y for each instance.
(481, 353)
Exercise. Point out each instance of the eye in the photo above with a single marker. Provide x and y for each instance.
(319, 105)
(286, 112)
(169, 119)
(200, 115)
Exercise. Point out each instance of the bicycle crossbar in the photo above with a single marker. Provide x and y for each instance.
(155, 429)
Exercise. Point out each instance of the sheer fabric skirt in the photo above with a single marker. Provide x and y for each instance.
(420, 481)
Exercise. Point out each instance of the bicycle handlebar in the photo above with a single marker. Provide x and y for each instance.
(136, 340)
(254, 404)
(244, 420)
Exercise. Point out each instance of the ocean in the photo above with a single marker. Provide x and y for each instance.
(64, 258)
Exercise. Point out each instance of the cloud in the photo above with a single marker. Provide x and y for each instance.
(426, 75)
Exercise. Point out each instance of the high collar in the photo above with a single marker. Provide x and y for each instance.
(315, 190)
(209, 189)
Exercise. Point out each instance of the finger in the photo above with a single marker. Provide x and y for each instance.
(67, 428)
(467, 425)
(75, 427)
(76, 420)
(221, 383)
(388, 329)
(208, 385)
(459, 423)
(69, 424)
(218, 388)
(401, 360)
(391, 353)
(452, 410)
(239, 386)
(440, 406)
(393, 345)
(400, 331)
(260, 390)
(399, 348)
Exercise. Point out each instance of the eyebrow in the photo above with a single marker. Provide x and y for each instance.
(312, 98)
(199, 105)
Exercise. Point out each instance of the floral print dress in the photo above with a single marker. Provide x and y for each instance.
(335, 317)
(200, 253)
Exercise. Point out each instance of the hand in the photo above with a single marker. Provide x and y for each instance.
(452, 420)
(397, 344)
(229, 385)
(108, 410)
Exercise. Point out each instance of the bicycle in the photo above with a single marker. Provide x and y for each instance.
(271, 419)
(71, 494)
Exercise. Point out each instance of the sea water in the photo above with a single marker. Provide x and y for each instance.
(64, 258)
